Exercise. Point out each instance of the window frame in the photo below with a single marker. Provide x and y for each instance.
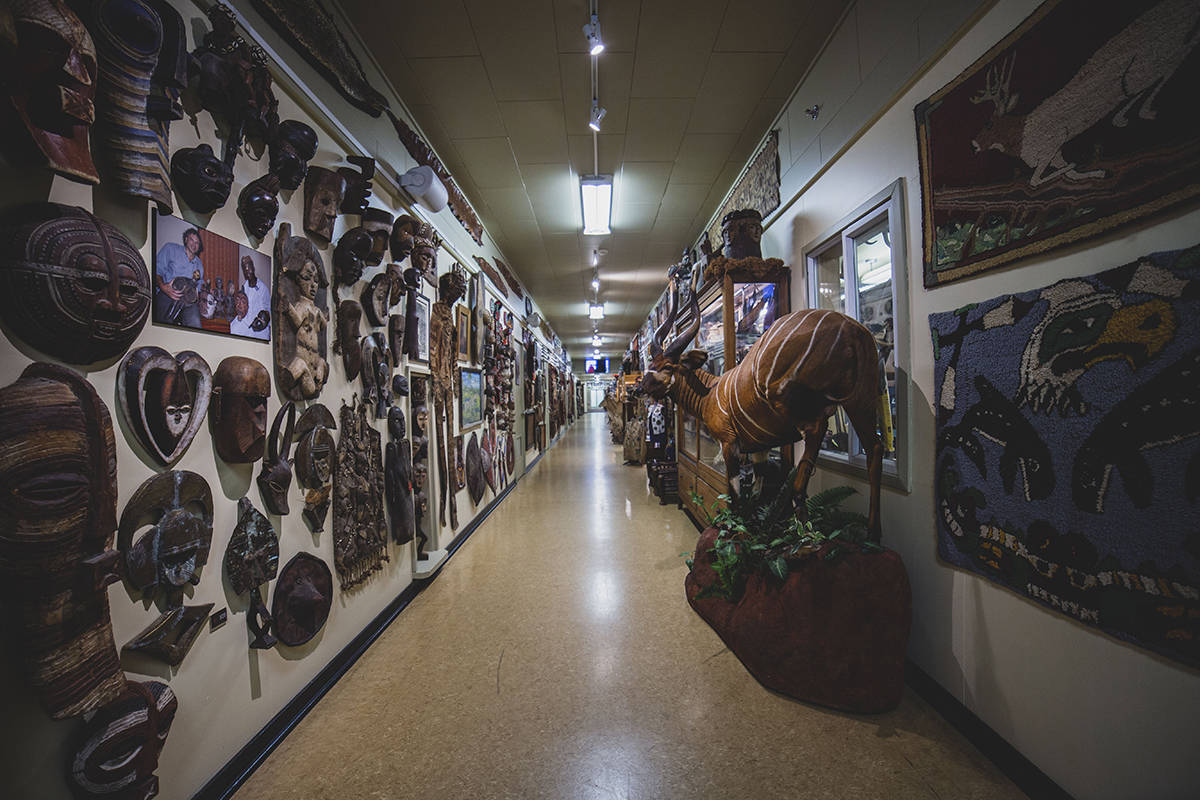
(887, 205)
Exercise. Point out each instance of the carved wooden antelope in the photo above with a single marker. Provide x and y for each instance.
(806, 365)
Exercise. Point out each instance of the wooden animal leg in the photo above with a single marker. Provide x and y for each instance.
(863, 420)
(808, 460)
(439, 414)
(733, 462)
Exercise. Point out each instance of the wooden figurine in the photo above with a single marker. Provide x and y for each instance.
(290, 149)
(258, 205)
(315, 462)
(300, 310)
(349, 313)
(443, 362)
(164, 399)
(71, 285)
(420, 456)
(251, 560)
(275, 478)
(238, 411)
(324, 190)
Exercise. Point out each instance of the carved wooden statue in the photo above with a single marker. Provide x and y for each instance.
(443, 363)
(397, 469)
(324, 190)
(238, 411)
(117, 752)
(349, 313)
(164, 399)
(71, 285)
(300, 310)
(785, 388)
(166, 558)
(251, 560)
(275, 478)
(290, 149)
(58, 466)
(314, 463)
(420, 456)
(359, 530)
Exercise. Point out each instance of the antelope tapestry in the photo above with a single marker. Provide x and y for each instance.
(1082, 119)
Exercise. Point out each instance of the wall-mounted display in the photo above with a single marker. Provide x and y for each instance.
(258, 205)
(474, 469)
(238, 411)
(378, 223)
(164, 399)
(178, 505)
(311, 29)
(251, 560)
(397, 469)
(395, 334)
(55, 431)
(301, 311)
(275, 477)
(357, 196)
(376, 374)
(116, 753)
(359, 530)
(423, 154)
(1065, 421)
(460, 467)
(209, 283)
(349, 314)
(303, 597)
(324, 191)
(419, 343)
(470, 409)
(50, 111)
(1021, 154)
(71, 285)
(201, 178)
(375, 299)
(290, 149)
(315, 460)
(462, 328)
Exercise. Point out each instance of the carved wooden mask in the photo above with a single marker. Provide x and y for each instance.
(117, 753)
(48, 68)
(349, 313)
(71, 284)
(741, 234)
(58, 513)
(358, 184)
(375, 299)
(238, 411)
(324, 190)
(303, 597)
(314, 461)
(350, 256)
(276, 476)
(164, 399)
(252, 559)
(376, 373)
(300, 312)
(378, 223)
(258, 205)
(291, 148)
(396, 328)
(200, 178)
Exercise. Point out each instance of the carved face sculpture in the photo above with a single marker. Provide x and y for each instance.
(395, 423)
(303, 596)
(741, 234)
(349, 313)
(58, 464)
(350, 255)
(200, 178)
(238, 410)
(168, 556)
(378, 223)
(49, 71)
(118, 751)
(424, 260)
(323, 193)
(396, 343)
(375, 299)
(71, 284)
(292, 147)
(276, 475)
(376, 369)
(402, 240)
(164, 399)
(258, 205)
(451, 286)
(358, 184)
(252, 557)
(315, 461)
(301, 314)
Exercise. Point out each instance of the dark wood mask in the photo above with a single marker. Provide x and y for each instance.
(116, 753)
(252, 559)
(324, 190)
(300, 313)
(397, 469)
(49, 64)
(275, 478)
(378, 223)
(200, 178)
(71, 285)
(741, 234)
(315, 462)
(238, 411)
(303, 597)
(375, 299)
(350, 256)
(290, 149)
(349, 314)
(399, 288)
(396, 338)
(358, 184)
(164, 399)
(258, 205)
(376, 373)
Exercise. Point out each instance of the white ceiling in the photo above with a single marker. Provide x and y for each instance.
(502, 90)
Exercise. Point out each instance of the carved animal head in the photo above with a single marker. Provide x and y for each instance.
(668, 363)
(276, 475)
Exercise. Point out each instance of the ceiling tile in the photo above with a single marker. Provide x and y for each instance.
(693, 23)
(420, 30)
(763, 25)
(655, 128)
(609, 146)
(817, 27)
(701, 156)
(490, 162)
(634, 216)
(618, 25)
(642, 181)
(732, 86)
(683, 199)
(564, 250)
(518, 46)
(668, 72)
(614, 77)
(508, 203)
(676, 230)
(460, 93)
(536, 131)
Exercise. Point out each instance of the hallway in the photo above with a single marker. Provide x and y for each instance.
(556, 657)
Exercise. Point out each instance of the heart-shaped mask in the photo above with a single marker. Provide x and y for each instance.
(164, 399)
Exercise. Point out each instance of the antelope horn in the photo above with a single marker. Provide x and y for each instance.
(675, 349)
(273, 443)
(660, 333)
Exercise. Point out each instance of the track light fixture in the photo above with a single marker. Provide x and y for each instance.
(598, 114)
(596, 340)
(592, 32)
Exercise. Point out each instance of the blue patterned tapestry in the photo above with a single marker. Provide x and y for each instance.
(1068, 447)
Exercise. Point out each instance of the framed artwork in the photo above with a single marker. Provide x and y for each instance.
(1080, 120)
(470, 402)
(209, 283)
(422, 329)
(528, 306)
(462, 324)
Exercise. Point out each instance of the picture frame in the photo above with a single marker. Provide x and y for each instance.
(470, 399)
(423, 308)
(221, 270)
(462, 324)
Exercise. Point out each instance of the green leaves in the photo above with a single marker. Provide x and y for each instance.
(779, 567)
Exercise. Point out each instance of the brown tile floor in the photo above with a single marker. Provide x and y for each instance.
(556, 657)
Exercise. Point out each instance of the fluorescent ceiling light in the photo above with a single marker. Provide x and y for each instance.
(598, 114)
(596, 194)
(592, 32)
(596, 311)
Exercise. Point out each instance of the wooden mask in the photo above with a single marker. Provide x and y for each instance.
(276, 476)
(741, 234)
(396, 338)
(58, 466)
(378, 223)
(164, 399)
(238, 410)
(117, 752)
(49, 68)
(71, 284)
(258, 205)
(201, 179)
(252, 559)
(314, 462)
(324, 190)
(375, 299)
(358, 184)
(349, 313)
(300, 313)
(403, 239)
(303, 597)
(350, 256)
(291, 148)
(376, 372)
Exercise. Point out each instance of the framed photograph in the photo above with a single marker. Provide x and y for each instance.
(422, 329)
(462, 323)
(470, 403)
(209, 283)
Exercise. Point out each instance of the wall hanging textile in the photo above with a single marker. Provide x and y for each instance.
(359, 532)
(758, 187)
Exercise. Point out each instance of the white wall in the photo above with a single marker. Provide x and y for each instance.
(1102, 718)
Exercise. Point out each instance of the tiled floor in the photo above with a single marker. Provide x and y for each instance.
(556, 657)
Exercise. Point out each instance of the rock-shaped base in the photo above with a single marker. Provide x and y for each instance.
(834, 633)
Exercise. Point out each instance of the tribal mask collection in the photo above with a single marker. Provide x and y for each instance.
(164, 399)
(291, 148)
(258, 205)
(357, 195)
(200, 178)
(375, 296)
(71, 284)
(238, 410)
(324, 190)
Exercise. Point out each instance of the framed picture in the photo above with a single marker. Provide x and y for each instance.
(422, 329)
(528, 306)
(470, 403)
(462, 323)
(209, 283)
